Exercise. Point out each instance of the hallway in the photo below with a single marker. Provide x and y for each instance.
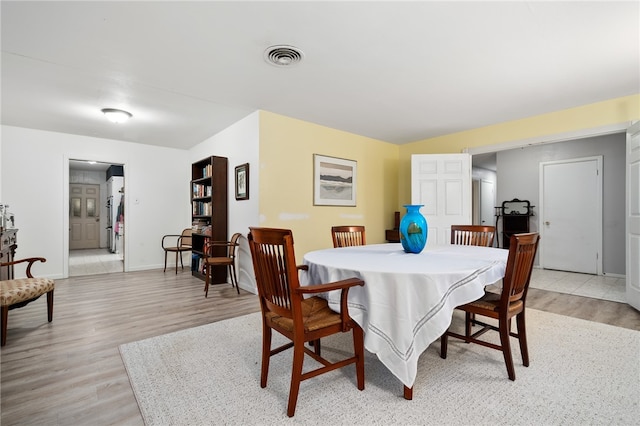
(594, 286)
(94, 261)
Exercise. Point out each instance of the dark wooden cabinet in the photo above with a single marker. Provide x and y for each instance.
(209, 211)
(8, 245)
(393, 235)
(513, 224)
(515, 216)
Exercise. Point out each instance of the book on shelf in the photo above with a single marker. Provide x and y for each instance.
(201, 208)
(207, 170)
(197, 263)
(198, 225)
(201, 191)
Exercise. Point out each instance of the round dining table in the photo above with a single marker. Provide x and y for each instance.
(408, 299)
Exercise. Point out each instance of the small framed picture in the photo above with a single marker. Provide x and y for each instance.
(334, 181)
(242, 182)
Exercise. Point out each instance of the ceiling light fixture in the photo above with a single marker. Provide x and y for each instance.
(283, 55)
(116, 115)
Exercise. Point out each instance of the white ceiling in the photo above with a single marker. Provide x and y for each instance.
(394, 71)
(88, 166)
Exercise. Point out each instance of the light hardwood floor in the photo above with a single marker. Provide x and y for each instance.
(69, 372)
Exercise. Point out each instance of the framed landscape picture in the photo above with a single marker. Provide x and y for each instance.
(334, 181)
(242, 182)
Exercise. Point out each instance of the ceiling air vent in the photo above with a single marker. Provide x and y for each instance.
(283, 55)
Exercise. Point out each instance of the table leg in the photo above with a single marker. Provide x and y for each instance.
(408, 393)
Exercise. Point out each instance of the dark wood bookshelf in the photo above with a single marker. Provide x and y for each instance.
(209, 210)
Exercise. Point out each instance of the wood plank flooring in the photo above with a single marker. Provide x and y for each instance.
(69, 372)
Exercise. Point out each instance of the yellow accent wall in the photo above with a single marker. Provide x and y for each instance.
(287, 146)
(614, 111)
(285, 170)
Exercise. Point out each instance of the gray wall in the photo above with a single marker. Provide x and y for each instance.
(518, 171)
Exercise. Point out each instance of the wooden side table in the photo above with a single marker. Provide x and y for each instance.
(8, 245)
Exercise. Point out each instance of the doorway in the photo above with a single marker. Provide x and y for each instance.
(518, 165)
(571, 215)
(487, 202)
(94, 188)
(84, 216)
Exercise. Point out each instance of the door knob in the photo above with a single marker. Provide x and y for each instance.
(547, 223)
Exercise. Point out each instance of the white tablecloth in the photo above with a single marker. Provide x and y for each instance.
(408, 299)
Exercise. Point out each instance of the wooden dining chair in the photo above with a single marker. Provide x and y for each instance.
(286, 310)
(473, 235)
(347, 236)
(178, 244)
(228, 260)
(504, 306)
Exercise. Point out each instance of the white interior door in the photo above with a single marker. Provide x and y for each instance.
(442, 183)
(633, 216)
(571, 215)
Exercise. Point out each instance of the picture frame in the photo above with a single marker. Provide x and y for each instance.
(242, 181)
(334, 181)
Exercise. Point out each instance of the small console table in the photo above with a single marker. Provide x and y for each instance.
(8, 245)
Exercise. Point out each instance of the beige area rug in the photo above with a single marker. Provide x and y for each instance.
(581, 372)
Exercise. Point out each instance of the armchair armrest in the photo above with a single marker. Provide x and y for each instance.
(337, 285)
(344, 286)
(31, 261)
(183, 245)
(170, 236)
(178, 242)
(209, 245)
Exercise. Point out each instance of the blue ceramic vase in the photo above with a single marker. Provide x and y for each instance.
(413, 229)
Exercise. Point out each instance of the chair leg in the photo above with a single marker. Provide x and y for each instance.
(234, 277)
(177, 262)
(206, 280)
(165, 261)
(266, 355)
(504, 327)
(522, 338)
(5, 316)
(468, 319)
(296, 376)
(181, 261)
(50, 305)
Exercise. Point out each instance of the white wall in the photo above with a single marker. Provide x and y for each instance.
(240, 143)
(34, 180)
(518, 171)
